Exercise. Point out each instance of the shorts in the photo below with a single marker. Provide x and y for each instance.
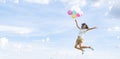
(79, 40)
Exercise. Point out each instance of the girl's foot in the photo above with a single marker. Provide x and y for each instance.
(83, 52)
(91, 48)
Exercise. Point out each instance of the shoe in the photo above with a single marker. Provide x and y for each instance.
(91, 48)
(82, 52)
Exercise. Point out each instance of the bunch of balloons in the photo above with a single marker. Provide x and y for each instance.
(74, 14)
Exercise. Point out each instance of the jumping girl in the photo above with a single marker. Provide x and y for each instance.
(83, 29)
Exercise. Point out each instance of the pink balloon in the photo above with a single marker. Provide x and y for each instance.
(69, 12)
(78, 15)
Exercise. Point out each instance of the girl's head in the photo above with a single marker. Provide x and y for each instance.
(84, 26)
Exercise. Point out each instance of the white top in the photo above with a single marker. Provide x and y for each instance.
(82, 32)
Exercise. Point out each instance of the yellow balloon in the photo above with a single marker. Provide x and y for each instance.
(73, 16)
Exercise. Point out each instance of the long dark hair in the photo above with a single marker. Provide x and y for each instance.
(83, 25)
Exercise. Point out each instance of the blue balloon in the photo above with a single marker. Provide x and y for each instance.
(74, 12)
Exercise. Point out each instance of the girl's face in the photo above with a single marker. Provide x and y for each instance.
(84, 26)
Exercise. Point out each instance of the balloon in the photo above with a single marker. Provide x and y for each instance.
(73, 16)
(70, 12)
(74, 12)
(78, 15)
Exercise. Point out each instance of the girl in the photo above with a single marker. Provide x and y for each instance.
(84, 28)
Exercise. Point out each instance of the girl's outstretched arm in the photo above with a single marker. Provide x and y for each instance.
(77, 24)
(92, 28)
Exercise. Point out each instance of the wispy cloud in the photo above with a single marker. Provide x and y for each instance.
(2, 1)
(7, 44)
(80, 3)
(28, 1)
(18, 47)
(16, 1)
(97, 3)
(15, 46)
(74, 4)
(14, 29)
(43, 40)
(35, 49)
(111, 4)
(38, 1)
(114, 29)
(3, 42)
(118, 46)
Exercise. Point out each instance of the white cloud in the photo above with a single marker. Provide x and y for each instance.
(118, 46)
(18, 46)
(14, 46)
(114, 10)
(38, 1)
(21, 47)
(2, 1)
(114, 29)
(28, 1)
(98, 3)
(111, 4)
(47, 39)
(44, 40)
(33, 50)
(16, 1)
(118, 37)
(80, 3)
(74, 4)
(3, 42)
(14, 29)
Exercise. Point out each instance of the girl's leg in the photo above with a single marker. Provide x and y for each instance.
(80, 45)
(87, 47)
(76, 44)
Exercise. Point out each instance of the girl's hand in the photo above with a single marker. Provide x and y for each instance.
(75, 20)
(94, 27)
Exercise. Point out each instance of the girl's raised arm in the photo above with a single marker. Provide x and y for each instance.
(77, 24)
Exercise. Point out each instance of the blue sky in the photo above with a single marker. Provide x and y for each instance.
(42, 29)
